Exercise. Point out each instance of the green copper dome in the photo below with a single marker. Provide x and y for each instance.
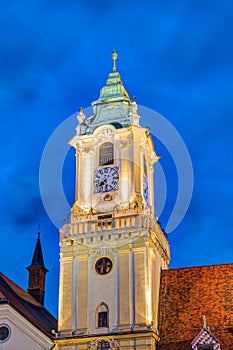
(114, 90)
(113, 105)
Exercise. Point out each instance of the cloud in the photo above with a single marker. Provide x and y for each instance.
(175, 56)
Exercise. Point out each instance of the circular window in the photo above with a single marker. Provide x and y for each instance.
(103, 266)
(4, 333)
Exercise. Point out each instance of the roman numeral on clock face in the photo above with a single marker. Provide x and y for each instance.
(106, 179)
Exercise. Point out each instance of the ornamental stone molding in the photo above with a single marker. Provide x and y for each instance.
(105, 134)
(114, 344)
(123, 144)
(97, 253)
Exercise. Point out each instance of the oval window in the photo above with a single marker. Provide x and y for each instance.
(4, 333)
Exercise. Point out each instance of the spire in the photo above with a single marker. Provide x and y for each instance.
(114, 89)
(37, 259)
(37, 272)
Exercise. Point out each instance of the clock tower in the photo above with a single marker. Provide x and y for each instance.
(112, 250)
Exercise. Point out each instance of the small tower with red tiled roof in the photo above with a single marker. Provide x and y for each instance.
(37, 273)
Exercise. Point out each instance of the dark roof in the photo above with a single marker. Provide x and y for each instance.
(186, 295)
(37, 259)
(26, 305)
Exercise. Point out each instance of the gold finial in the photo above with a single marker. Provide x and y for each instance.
(114, 56)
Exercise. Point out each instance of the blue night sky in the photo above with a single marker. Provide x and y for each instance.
(175, 56)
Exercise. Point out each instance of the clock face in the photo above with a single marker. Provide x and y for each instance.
(145, 190)
(106, 179)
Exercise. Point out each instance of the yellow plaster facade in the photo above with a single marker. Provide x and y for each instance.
(112, 251)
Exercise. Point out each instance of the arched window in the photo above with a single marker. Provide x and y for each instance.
(34, 278)
(106, 155)
(103, 345)
(37, 277)
(145, 165)
(102, 315)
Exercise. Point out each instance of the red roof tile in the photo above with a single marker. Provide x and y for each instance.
(188, 293)
(26, 305)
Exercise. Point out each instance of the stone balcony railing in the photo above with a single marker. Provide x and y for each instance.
(99, 231)
(113, 224)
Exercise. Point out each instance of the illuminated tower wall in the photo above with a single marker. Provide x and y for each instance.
(112, 251)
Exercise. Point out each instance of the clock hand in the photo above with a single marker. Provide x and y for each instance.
(103, 182)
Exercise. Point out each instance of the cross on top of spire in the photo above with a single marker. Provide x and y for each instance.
(37, 259)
